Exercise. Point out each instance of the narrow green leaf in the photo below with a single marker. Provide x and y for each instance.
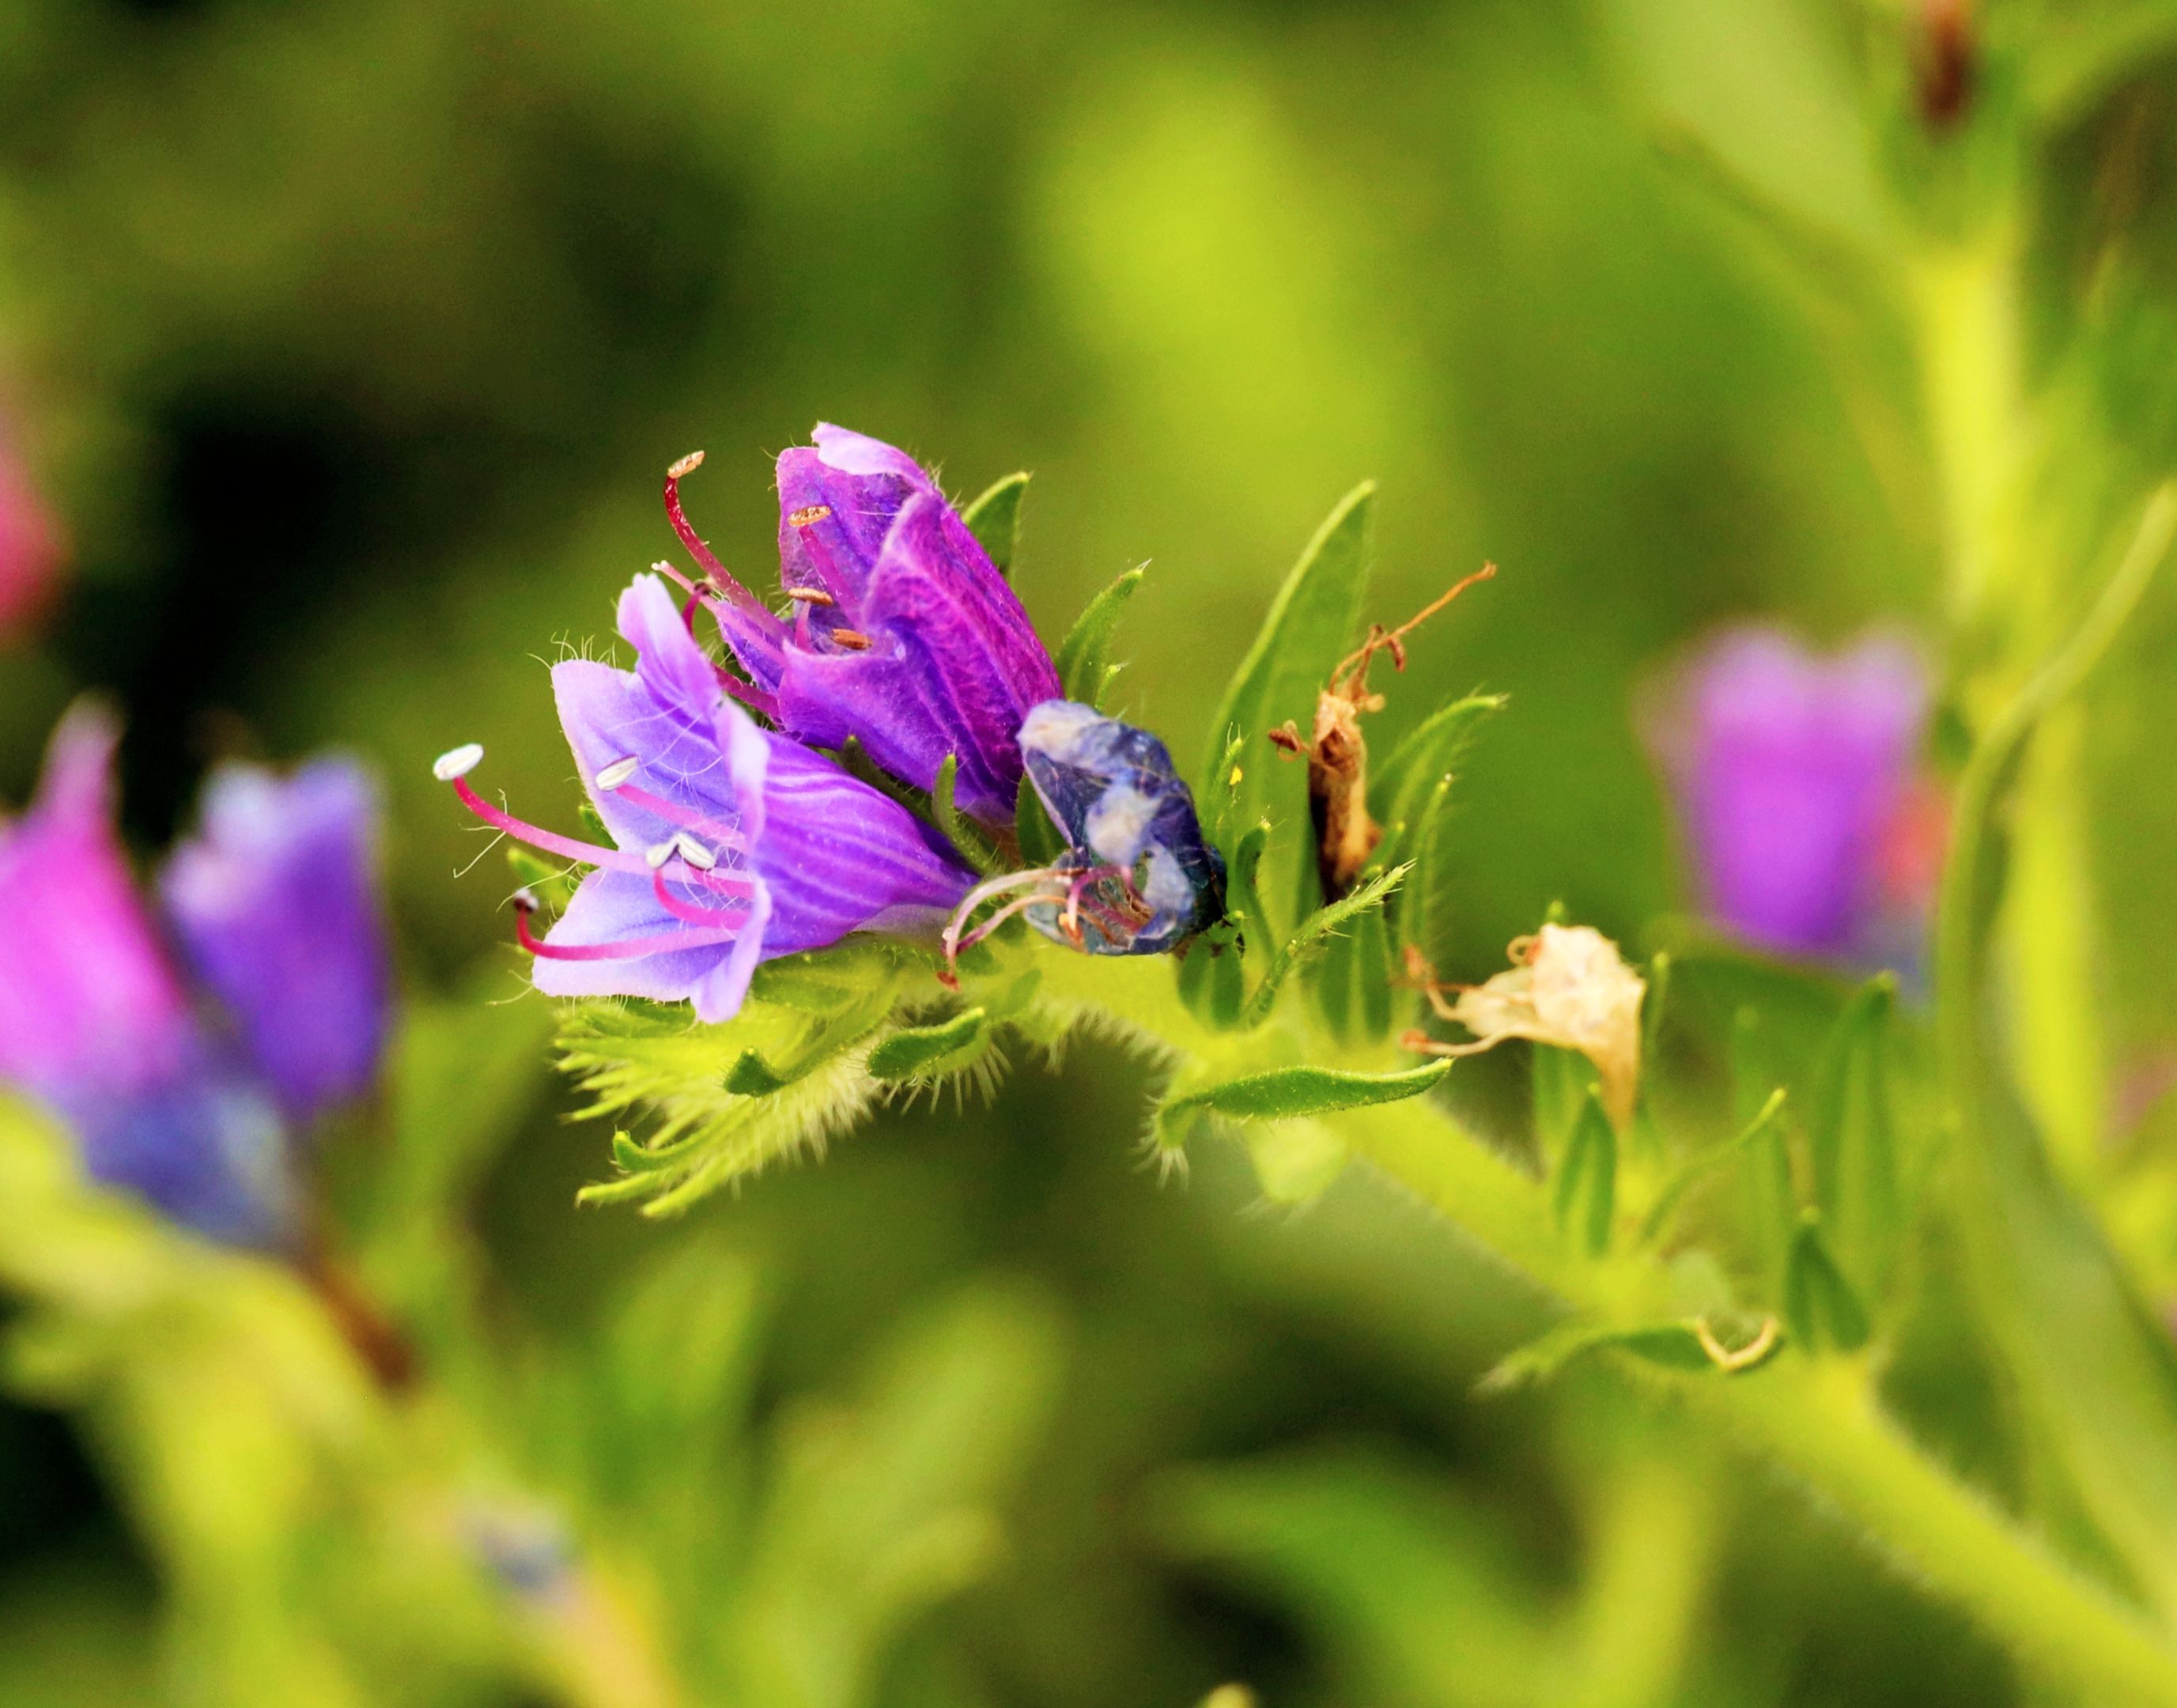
(1351, 981)
(1040, 842)
(1418, 906)
(1289, 1093)
(994, 519)
(1851, 1147)
(1563, 1081)
(919, 1051)
(1586, 1189)
(1212, 980)
(1676, 1346)
(966, 837)
(1085, 670)
(1220, 793)
(1308, 629)
(1820, 1308)
(1313, 933)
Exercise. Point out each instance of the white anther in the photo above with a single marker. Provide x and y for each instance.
(657, 855)
(617, 771)
(459, 762)
(694, 853)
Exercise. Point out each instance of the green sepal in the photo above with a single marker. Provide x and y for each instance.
(1085, 670)
(1563, 1081)
(1852, 1146)
(1672, 1345)
(1351, 982)
(968, 838)
(1766, 1128)
(854, 760)
(1292, 1093)
(1820, 1307)
(1040, 842)
(994, 519)
(927, 1052)
(1585, 1192)
(1220, 794)
(1303, 637)
(1213, 982)
(1408, 786)
(1314, 931)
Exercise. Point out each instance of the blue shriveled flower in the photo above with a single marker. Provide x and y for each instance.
(903, 635)
(733, 844)
(180, 1072)
(1797, 779)
(1138, 877)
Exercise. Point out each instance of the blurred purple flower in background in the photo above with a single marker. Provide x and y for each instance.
(181, 1063)
(903, 634)
(733, 844)
(1810, 827)
(31, 550)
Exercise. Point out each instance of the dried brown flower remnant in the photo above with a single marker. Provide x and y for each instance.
(1947, 61)
(1568, 987)
(1337, 753)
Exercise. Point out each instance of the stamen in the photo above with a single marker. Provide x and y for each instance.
(974, 898)
(694, 853)
(852, 639)
(657, 855)
(566, 847)
(809, 516)
(693, 914)
(633, 949)
(701, 553)
(749, 694)
(725, 835)
(810, 595)
(617, 772)
(458, 762)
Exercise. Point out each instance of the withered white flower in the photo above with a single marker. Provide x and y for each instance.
(1568, 987)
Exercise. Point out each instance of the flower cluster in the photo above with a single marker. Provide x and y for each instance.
(187, 1045)
(735, 840)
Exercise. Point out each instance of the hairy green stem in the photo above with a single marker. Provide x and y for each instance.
(1818, 1422)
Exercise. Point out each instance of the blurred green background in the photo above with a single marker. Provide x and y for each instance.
(352, 341)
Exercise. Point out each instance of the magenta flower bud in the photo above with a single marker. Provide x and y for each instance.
(903, 633)
(30, 551)
(184, 1095)
(732, 844)
(1799, 786)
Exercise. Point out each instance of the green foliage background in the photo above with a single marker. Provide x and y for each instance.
(352, 342)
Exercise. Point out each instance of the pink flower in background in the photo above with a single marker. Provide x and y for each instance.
(1813, 829)
(31, 549)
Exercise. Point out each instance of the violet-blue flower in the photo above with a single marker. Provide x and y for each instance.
(1138, 877)
(276, 903)
(733, 844)
(903, 635)
(168, 1096)
(1796, 778)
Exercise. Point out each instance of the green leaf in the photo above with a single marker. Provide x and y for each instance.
(924, 1052)
(1212, 979)
(1308, 629)
(994, 519)
(1852, 1145)
(1563, 1081)
(1085, 670)
(1586, 1188)
(1676, 1346)
(1291, 1094)
(1313, 933)
(1220, 796)
(966, 837)
(1823, 1311)
(1040, 842)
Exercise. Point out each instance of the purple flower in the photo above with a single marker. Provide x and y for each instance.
(29, 546)
(1797, 779)
(903, 634)
(168, 1096)
(732, 843)
(276, 903)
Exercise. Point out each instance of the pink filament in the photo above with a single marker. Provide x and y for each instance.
(714, 918)
(725, 836)
(566, 847)
(634, 949)
(704, 555)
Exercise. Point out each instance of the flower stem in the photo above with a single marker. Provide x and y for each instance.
(1819, 1422)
